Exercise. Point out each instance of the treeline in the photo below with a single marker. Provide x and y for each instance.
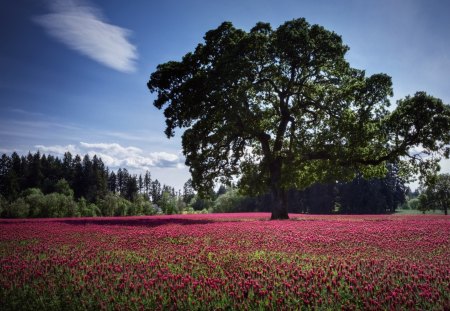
(46, 186)
(360, 196)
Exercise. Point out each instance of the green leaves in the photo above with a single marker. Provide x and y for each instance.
(421, 119)
(290, 97)
(437, 193)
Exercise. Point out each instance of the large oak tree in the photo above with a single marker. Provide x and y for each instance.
(283, 108)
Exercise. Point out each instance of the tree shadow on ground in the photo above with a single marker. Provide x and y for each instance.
(144, 222)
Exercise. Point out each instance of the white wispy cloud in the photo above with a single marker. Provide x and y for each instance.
(113, 149)
(57, 149)
(142, 136)
(43, 124)
(81, 26)
(25, 112)
(114, 155)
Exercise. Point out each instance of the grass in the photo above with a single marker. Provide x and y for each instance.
(417, 212)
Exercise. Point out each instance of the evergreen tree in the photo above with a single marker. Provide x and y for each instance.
(188, 191)
(34, 175)
(155, 192)
(52, 172)
(140, 183)
(147, 183)
(9, 178)
(88, 185)
(121, 178)
(67, 166)
(77, 183)
(112, 182)
(132, 188)
(100, 178)
(18, 171)
(4, 170)
(372, 196)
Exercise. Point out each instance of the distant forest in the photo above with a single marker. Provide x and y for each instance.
(39, 185)
(46, 186)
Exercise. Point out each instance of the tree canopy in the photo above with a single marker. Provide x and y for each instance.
(39, 185)
(283, 108)
(436, 194)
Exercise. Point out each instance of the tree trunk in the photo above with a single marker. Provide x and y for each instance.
(279, 205)
(279, 202)
(446, 203)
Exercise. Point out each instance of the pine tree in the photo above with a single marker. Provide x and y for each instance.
(188, 191)
(140, 183)
(131, 188)
(112, 182)
(147, 183)
(77, 182)
(99, 180)
(155, 191)
(67, 167)
(34, 177)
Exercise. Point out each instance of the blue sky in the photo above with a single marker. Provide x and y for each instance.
(73, 73)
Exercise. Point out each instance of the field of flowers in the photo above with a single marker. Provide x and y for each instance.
(232, 261)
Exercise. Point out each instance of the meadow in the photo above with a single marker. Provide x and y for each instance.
(225, 262)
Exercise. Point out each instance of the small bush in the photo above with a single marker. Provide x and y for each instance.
(18, 209)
